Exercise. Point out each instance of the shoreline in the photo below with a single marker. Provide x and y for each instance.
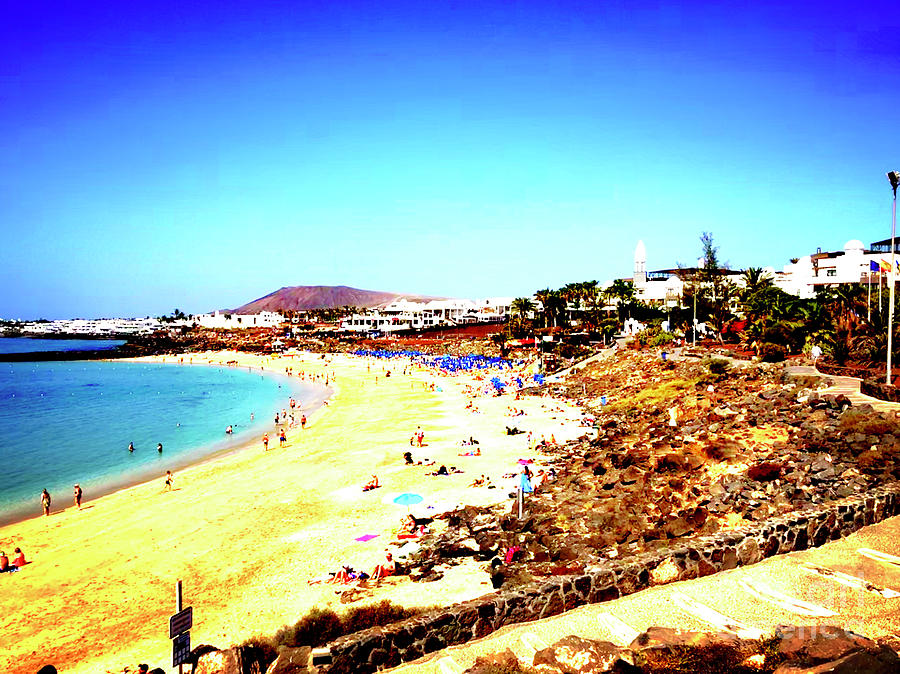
(245, 531)
(208, 451)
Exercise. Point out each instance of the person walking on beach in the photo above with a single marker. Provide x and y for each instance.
(282, 438)
(265, 442)
(303, 421)
(45, 502)
(78, 496)
(169, 480)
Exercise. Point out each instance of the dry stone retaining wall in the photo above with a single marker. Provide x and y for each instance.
(880, 390)
(383, 647)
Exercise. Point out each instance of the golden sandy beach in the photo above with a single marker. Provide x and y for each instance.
(246, 531)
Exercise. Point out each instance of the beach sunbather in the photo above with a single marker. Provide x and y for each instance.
(371, 484)
(388, 568)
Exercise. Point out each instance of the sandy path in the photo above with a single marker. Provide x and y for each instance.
(246, 531)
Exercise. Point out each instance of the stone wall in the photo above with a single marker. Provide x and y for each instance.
(382, 647)
(880, 390)
(843, 371)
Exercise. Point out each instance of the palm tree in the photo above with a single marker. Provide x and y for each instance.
(542, 297)
(522, 306)
(623, 290)
(555, 307)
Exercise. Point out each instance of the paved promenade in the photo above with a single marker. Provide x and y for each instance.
(848, 386)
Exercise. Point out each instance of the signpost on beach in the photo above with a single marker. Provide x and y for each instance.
(179, 630)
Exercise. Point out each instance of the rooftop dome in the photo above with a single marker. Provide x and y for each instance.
(853, 245)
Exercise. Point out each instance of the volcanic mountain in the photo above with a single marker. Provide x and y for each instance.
(294, 298)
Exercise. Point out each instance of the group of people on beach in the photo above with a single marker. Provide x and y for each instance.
(282, 418)
(347, 574)
(18, 562)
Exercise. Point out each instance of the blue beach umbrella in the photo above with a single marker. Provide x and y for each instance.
(408, 499)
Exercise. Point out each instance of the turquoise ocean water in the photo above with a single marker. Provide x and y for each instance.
(70, 422)
(29, 344)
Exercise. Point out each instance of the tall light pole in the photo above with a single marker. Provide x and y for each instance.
(894, 178)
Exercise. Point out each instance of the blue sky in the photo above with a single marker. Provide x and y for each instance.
(200, 155)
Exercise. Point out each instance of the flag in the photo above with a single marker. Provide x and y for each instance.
(874, 266)
(885, 266)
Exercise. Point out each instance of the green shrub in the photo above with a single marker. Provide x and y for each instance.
(718, 366)
(320, 626)
(772, 353)
(316, 628)
(383, 613)
(662, 338)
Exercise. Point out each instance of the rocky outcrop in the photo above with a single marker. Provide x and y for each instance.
(237, 660)
(758, 447)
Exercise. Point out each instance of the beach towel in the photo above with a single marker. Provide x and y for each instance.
(366, 537)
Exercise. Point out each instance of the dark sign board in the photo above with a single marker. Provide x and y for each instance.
(181, 649)
(181, 622)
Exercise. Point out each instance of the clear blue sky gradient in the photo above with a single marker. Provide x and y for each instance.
(200, 155)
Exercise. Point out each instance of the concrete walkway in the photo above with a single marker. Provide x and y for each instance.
(562, 374)
(848, 386)
(853, 583)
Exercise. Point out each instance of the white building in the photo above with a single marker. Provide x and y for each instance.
(94, 326)
(264, 319)
(804, 275)
(666, 286)
(405, 314)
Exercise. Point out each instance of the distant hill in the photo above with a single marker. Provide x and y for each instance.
(296, 298)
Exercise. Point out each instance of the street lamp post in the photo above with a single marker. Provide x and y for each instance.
(694, 328)
(894, 178)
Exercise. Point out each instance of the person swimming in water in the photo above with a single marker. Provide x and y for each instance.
(159, 447)
(130, 446)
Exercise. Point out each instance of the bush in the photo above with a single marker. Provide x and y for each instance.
(718, 366)
(772, 353)
(320, 626)
(384, 613)
(316, 628)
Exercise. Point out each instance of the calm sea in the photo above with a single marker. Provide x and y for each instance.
(63, 423)
(29, 344)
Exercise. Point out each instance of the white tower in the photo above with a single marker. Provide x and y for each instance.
(640, 264)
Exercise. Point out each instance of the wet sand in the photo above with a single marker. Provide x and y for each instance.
(246, 531)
